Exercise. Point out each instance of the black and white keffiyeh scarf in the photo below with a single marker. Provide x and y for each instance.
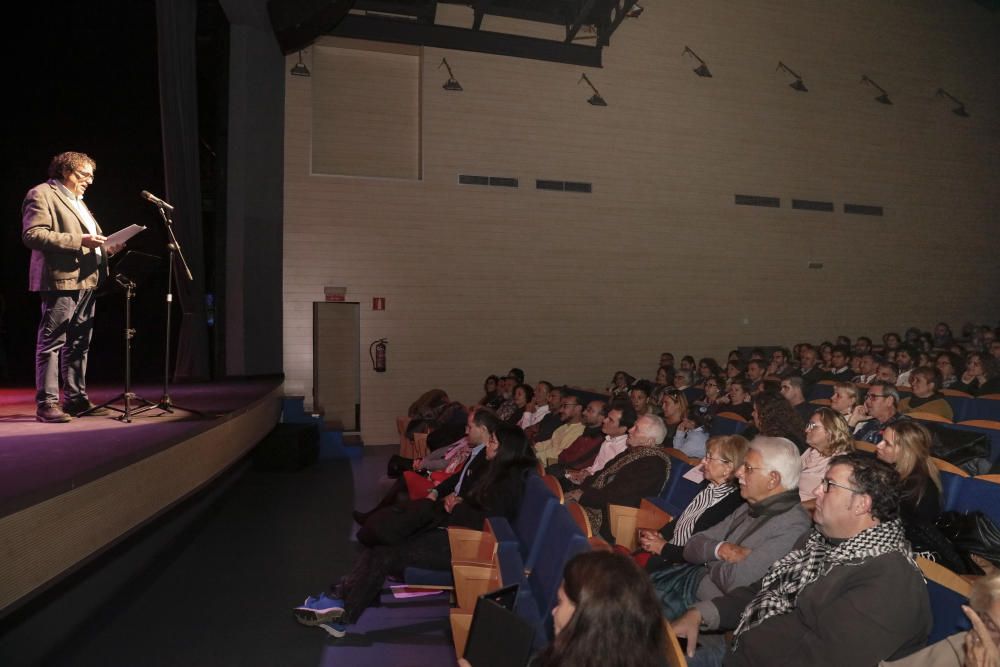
(788, 576)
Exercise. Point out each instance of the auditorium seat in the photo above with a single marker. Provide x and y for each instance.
(952, 478)
(948, 592)
(728, 423)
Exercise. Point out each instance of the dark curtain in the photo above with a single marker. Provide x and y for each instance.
(176, 29)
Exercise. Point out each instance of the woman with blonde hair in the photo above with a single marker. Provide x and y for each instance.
(906, 445)
(827, 435)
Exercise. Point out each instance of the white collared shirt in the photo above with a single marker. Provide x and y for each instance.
(610, 448)
(82, 211)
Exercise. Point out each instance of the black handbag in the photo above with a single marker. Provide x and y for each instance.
(972, 533)
(397, 466)
(956, 446)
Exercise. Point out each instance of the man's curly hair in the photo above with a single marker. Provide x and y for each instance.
(876, 479)
(69, 161)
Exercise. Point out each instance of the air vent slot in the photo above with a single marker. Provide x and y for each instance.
(758, 200)
(862, 209)
(808, 205)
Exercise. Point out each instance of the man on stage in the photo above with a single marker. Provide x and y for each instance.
(69, 259)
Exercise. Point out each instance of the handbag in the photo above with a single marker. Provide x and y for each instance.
(676, 586)
(397, 523)
(972, 533)
(956, 446)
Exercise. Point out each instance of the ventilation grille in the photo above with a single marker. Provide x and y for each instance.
(862, 209)
(564, 186)
(808, 205)
(758, 200)
(497, 181)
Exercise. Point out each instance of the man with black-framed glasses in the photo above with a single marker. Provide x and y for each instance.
(848, 594)
(878, 412)
(69, 259)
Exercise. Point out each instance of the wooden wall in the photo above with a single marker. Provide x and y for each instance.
(572, 286)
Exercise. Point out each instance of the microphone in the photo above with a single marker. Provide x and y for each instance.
(155, 200)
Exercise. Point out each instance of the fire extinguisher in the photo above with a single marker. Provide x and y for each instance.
(377, 352)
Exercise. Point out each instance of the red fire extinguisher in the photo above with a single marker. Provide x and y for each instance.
(377, 352)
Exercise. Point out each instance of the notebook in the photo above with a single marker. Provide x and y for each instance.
(499, 637)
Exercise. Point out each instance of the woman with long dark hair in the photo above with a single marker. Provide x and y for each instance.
(493, 488)
(606, 616)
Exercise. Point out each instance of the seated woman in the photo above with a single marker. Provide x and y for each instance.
(675, 410)
(981, 375)
(925, 382)
(640, 471)
(703, 409)
(906, 445)
(491, 390)
(718, 498)
(707, 368)
(950, 366)
(737, 398)
(827, 435)
(524, 394)
(606, 616)
(493, 488)
(620, 384)
(844, 399)
(774, 416)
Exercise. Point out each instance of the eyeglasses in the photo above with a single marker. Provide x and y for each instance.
(872, 396)
(811, 425)
(84, 176)
(713, 458)
(750, 468)
(826, 483)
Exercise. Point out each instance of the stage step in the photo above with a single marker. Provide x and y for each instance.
(333, 444)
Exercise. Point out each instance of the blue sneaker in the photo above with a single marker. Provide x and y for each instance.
(319, 609)
(334, 629)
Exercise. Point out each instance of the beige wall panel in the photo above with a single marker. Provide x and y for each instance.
(572, 286)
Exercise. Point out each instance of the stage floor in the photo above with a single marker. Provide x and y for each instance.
(39, 461)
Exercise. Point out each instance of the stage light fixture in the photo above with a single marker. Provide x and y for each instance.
(960, 109)
(300, 69)
(451, 83)
(596, 98)
(700, 70)
(884, 97)
(797, 84)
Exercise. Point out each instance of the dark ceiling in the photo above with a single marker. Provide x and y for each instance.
(587, 25)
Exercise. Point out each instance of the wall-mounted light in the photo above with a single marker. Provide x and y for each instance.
(300, 69)
(700, 70)
(451, 83)
(884, 97)
(960, 109)
(596, 98)
(797, 84)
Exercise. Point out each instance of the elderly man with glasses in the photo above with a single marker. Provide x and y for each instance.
(878, 412)
(69, 259)
(848, 594)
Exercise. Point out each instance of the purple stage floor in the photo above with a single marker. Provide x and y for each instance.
(39, 461)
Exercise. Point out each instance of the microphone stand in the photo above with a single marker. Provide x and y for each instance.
(174, 248)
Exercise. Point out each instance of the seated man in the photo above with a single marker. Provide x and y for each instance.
(738, 550)
(548, 424)
(878, 412)
(791, 389)
(585, 448)
(541, 403)
(571, 412)
(840, 359)
(868, 369)
(809, 366)
(756, 370)
(641, 470)
(621, 417)
(906, 360)
(779, 367)
(849, 594)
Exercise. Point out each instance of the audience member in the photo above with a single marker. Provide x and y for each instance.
(850, 594)
(737, 399)
(582, 452)
(862, 345)
(827, 435)
(756, 370)
(639, 471)
(950, 367)
(878, 412)
(809, 369)
(705, 407)
(791, 389)
(887, 371)
(869, 368)
(620, 384)
(840, 363)
(925, 383)
(738, 550)
(491, 390)
(906, 360)
(639, 394)
(981, 375)
(606, 616)
(780, 366)
(571, 413)
(544, 429)
(718, 498)
(524, 396)
(775, 417)
(539, 406)
(620, 418)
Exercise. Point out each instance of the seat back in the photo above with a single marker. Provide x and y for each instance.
(822, 389)
(947, 592)
(952, 478)
(674, 652)
(982, 407)
(728, 423)
(537, 508)
(960, 403)
(580, 518)
(978, 493)
(988, 427)
(552, 484)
